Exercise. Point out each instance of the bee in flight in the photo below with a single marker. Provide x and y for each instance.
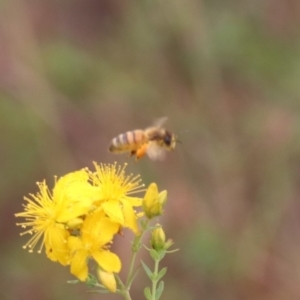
(153, 141)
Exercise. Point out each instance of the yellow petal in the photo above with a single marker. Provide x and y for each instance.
(130, 217)
(74, 243)
(79, 265)
(56, 244)
(134, 201)
(73, 195)
(65, 181)
(98, 229)
(114, 211)
(107, 260)
(78, 199)
(107, 230)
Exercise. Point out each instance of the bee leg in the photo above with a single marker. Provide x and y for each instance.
(133, 152)
(141, 151)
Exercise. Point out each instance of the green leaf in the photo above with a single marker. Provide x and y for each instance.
(161, 273)
(154, 254)
(147, 293)
(99, 291)
(161, 254)
(72, 281)
(159, 290)
(147, 270)
(91, 280)
(132, 278)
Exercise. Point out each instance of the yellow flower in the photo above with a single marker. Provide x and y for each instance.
(115, 190)
(46, 214)
(154, 202)
(108, 280)
(97, 232)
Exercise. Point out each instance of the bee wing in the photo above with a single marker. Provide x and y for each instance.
(155, 152)
(160, 122)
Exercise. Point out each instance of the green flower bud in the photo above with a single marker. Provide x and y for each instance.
(108, 280)
(158, 238)
(153, 201)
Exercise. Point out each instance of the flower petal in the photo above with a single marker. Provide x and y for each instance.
(134, 201)
(55, 240)
(107, 260)
(74, 243)
(74, 195)
(79, 265)
(98, 229)
(113, 210)
(130, 217)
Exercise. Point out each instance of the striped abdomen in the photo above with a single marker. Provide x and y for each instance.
(128, 141)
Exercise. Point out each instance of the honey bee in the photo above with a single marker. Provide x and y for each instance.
(154, 141)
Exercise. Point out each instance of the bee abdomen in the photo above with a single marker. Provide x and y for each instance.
(118, 142)
(126, 141)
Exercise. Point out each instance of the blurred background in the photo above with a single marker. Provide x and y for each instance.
(74, 74)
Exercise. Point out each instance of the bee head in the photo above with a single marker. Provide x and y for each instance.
(169, 140)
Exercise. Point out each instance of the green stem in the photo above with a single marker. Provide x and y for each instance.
(135, 248)
(132, 262)
(155, 281)
(126, 295)
(124, 291)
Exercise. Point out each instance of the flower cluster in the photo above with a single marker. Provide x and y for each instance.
(78, 219)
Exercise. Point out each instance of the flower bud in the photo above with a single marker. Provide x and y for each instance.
(108, 280)
(153, 201)
(158, 238)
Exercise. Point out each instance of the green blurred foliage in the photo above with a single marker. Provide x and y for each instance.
(74, 74)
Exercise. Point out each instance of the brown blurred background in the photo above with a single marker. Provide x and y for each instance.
(73, 74)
